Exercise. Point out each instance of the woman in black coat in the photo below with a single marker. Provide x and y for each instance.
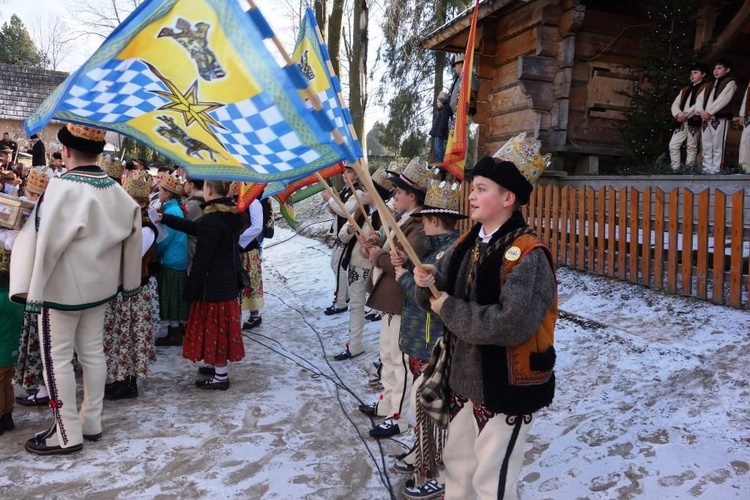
(213, 332)
(440, 125)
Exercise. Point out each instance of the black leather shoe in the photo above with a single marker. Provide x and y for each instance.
(346, 355)
(332, 309)
(125, 389)
(253, 322)
(385, 429)
(207, 370)
(92, 437)
(212, 384)
(373, 316)
(36, 446)
(370, 410)
(32, 400)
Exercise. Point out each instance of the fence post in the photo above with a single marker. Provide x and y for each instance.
(634, 235)
(673, 227)
(687, 242)
(646, 239)
(735, 260)
(720, 222)
(659, 240)
(701, 266)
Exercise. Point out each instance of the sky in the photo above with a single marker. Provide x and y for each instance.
(282, 15)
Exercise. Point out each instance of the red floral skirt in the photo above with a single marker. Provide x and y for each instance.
(214, 332)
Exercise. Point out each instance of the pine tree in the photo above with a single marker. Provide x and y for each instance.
(17, 47)
(667, 54)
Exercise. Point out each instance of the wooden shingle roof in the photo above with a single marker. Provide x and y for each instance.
(23, 89)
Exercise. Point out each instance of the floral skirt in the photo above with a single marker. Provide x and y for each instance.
(29, 367)
(252, 296)
(172, 306)
(214, 333)
(129, 328)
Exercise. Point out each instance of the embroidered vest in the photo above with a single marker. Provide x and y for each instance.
(716, 91)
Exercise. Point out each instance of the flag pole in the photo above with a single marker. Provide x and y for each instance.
(314, 100)
(360, 205)
(340, 203)
(387, 216)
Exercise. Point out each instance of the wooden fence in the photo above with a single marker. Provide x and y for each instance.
(694, 243)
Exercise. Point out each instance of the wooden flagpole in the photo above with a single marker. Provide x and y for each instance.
(340, 203)
(360, 205)
(387, 216)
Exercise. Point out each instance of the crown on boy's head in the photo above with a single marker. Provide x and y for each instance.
(525, 155)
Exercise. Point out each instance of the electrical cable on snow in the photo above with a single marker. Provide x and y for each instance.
(339, 384)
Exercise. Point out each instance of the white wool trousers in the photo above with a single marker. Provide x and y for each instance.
(713, 137)
(684, 134)
(745, 149)
(357, 294)
(82, 332)
(342, 284)
(395, 375)
(484, 464)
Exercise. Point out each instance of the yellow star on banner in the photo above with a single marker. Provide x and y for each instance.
(188, 104)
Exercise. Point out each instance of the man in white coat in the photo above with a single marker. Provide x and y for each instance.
(81, 244)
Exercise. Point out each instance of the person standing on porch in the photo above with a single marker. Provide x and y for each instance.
(745, 126)
(687, 127)
(713, 106)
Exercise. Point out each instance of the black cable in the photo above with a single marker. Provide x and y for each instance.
(297, 233)
(338, 382)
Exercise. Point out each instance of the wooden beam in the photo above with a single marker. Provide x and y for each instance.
(734, 29)
(541, 69)
(572, 20)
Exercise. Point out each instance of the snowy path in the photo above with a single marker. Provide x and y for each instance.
(655, 405)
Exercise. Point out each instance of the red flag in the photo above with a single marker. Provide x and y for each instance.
(455, 153)
(248, 192)
(327, 173)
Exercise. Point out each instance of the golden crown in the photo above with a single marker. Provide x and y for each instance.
(380, 177)
(173, 183)
(138, 185)
(112, 166)
(37, 180)
(443, 197)
(525, 155)
(417, 174)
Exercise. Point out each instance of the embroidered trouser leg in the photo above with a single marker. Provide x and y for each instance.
(745, 148)
(82, 332)
(713, 138)
(675, 146)
(357, 295)
(342, 280)
(693, 140)
(395, 375)
(483, 454)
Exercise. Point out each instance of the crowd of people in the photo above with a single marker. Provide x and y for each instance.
(702, 113)
(484, 335)
(112, 263)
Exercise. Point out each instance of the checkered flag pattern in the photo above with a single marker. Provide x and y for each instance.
(115, 92)
(330, 103)
(256, 134)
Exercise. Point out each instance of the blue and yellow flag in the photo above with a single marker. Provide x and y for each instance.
(194, 80)
(313, 59)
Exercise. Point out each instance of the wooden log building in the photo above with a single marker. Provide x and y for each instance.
(555, 69)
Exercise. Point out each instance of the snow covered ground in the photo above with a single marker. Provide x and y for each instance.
(653, 401)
